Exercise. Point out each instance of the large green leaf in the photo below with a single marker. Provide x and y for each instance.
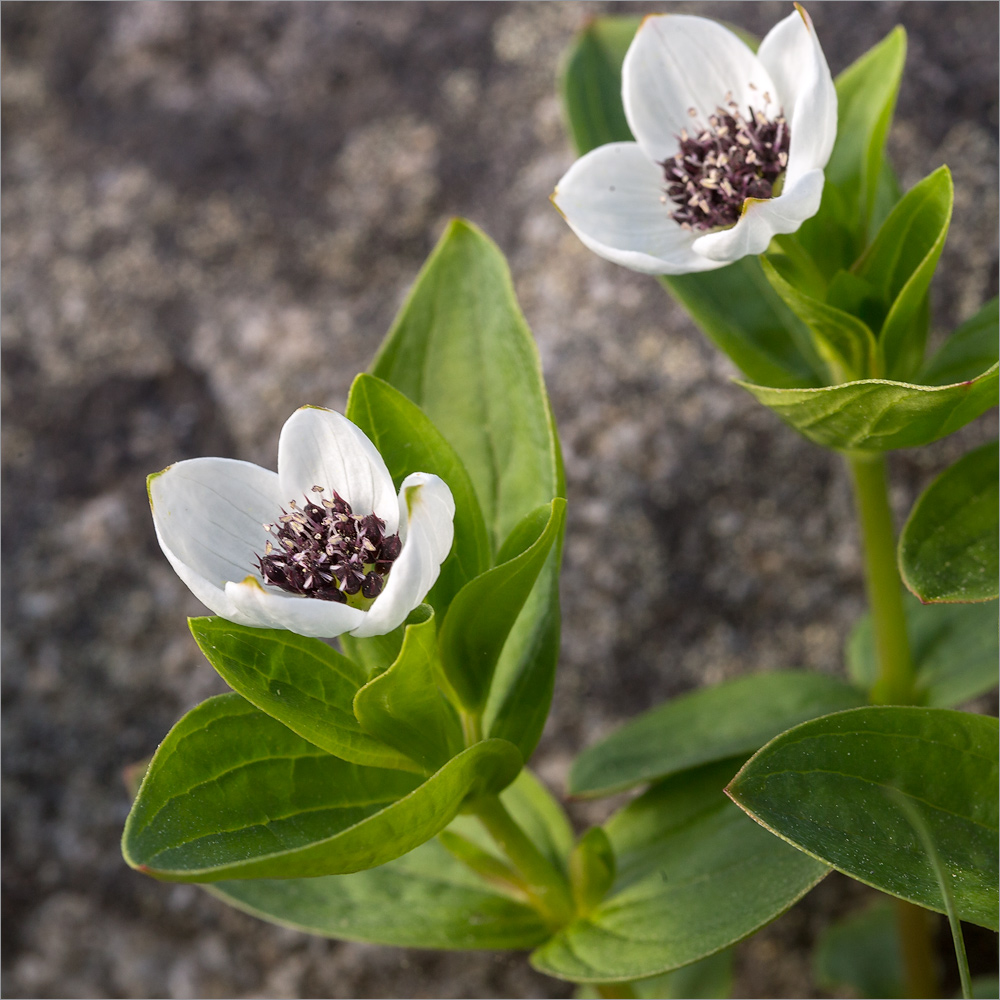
(461, 350)
(409, 442)
(405, 706)
(425, 899)
(878, 415)
(899, 265)
(301, 682)
(231, 792)
(735, 717)
(481, 616)
(971, 349)
(829, 787)
(954, 649)
(710, 978)
(948, 547)
(693, 878)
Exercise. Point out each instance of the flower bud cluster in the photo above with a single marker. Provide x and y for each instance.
(325, 550)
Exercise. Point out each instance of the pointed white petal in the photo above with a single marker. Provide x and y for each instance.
(269, 608)
(763, 219)
(792, 55)
(427, 512)
(209, 516)
(319, 447)
(677, 62)
(611, 199)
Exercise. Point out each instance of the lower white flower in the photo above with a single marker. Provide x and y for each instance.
(322, 547)
(730, 147)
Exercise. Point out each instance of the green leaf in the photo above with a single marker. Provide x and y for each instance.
(711, 977)
(376, 653)
(405, 706)
(948, 546)
(232, 792)
(861, 953)
(409, 442)
(301, 682)
(824, 787)
(425, 899)
(731, 718)
(971, 349)
(693, 878)
(900, 264)
(591, 83)
(480, 618)
(591, 869)
(954, 649)
(461, 350)
(878, 415)
(843, 340)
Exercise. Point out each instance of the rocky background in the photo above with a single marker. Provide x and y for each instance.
(211, 213)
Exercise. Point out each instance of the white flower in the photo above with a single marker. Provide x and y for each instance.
(312, 548)
(694, 192)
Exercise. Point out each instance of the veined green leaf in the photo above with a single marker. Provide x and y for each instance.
(900, 264)
(878, 415)
(822, 786)
(948, 546)
(425, 899)
(409, 442)
(405, 706)
(480, 618)
(971, 349)
(301, 682)
(231, 792)
(954, 648)
(693, 878)
(734, 717)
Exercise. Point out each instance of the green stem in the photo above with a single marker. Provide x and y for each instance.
(616, 991)
(472, 727)
(885, 593)
(894, 685)
(546, 885)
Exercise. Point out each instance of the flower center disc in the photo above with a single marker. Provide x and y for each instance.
(325, 550)
(731, 159)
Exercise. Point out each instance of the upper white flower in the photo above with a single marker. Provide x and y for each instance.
(688, 82)
(322, 531)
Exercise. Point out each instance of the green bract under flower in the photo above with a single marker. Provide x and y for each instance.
(358, 562)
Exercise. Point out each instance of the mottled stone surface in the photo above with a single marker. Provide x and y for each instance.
(211, 213)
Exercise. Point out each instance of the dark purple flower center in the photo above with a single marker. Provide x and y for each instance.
(325, 550)
(731, 159)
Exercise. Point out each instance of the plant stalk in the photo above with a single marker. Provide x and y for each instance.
(547, 886)
(895, 683)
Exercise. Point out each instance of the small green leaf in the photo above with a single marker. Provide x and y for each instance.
(861, 953)
(405, 707)
(693, 878)
(954, 648)
(710, 978)
(971, 349)
(480, 618)
(301, 682)
(734, 717)
(900, 264)
(425, 899)
(878, 415)
(232, 792)
(948, 547)
(591, 869)
(822, 786)
(409, 442)
(843, 340)
(376, 653)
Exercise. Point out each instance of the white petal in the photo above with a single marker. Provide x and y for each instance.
(427, 512)
(209, 515)
(319, 447)
(611, 200)
(677, 62)
(792, 55)
(763, 219)
(269, 608)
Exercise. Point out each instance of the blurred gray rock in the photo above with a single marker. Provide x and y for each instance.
(211, 213)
